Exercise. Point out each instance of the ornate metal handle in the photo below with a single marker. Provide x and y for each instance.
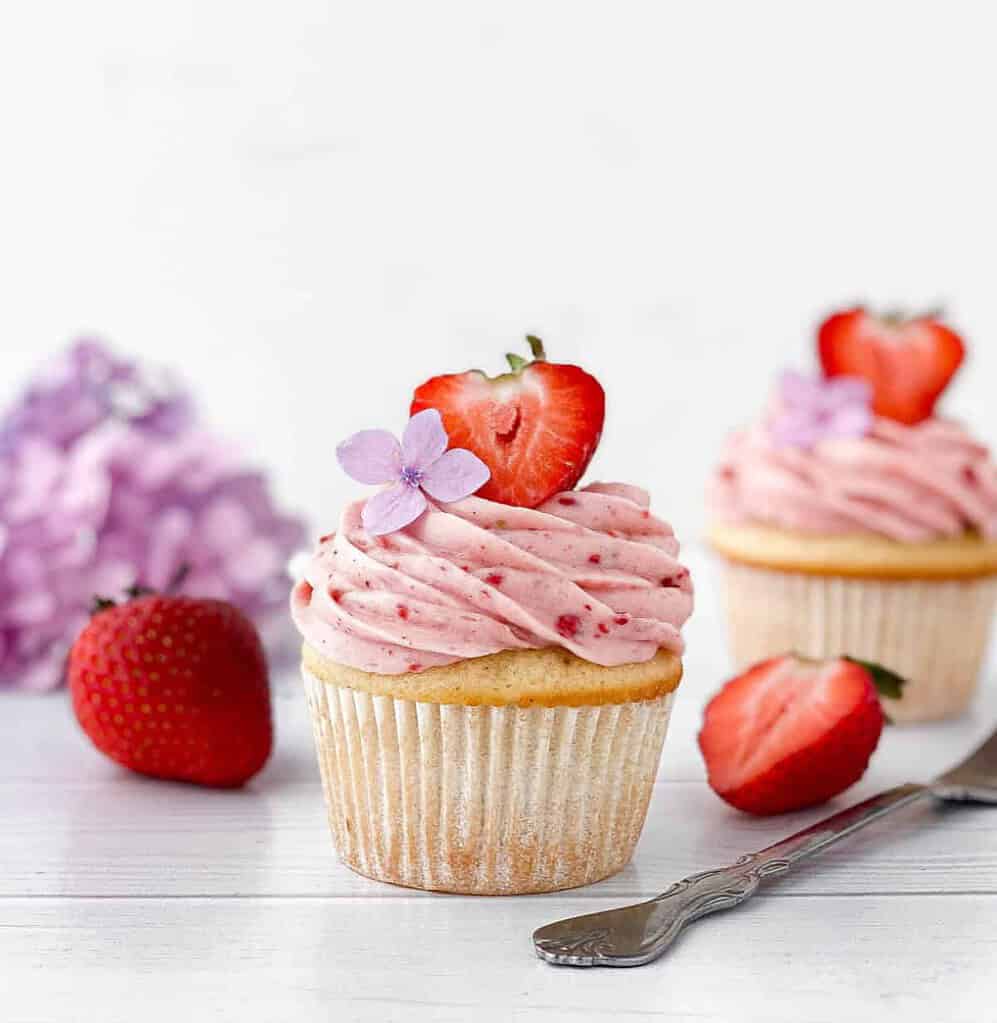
(635, 935)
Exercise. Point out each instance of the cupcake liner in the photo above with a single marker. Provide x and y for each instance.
(933, 633)
(484, 800)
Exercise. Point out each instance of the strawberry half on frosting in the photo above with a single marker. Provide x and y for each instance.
(908, 360)
(535, 427)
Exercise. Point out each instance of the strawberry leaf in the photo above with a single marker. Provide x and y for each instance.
(536, 347)
(888, 683)
(179, 577)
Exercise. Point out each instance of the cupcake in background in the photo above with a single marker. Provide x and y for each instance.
(852, 520)
(490, 677)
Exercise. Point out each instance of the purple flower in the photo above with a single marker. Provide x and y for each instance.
(420, 463)
(107, 481)
(811, 410)
(51, 507)
(87, 386)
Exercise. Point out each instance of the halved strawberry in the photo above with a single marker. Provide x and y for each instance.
(907, 360)
(792, 732)
(536, 428)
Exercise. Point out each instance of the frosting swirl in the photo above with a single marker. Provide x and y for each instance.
(590, 570)
(907, 483)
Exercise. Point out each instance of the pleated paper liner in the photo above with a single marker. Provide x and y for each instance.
(934, 632)
(485, 800)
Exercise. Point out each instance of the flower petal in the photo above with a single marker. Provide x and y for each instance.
(795, 429)
(799, 391)
(392, 509)
(850, 421)
(455, 475)
(424, 440)
(841, 391)
(371, 456)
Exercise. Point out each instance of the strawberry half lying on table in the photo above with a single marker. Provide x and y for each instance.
(908, 361)
(536, 428)
(791, 732)
(174, 687)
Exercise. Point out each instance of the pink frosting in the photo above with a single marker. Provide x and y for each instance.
(591, 570)
(907, 483)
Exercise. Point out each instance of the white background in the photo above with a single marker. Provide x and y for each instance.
(312, 207)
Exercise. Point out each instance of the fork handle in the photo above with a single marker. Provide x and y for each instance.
(827, 832)
(637, 934)
(713, 890)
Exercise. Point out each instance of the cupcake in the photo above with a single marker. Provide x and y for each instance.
(490, 656)
(854, 521)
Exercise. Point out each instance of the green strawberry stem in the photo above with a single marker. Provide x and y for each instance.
(137, 590)
(517, 362)
(898, 316)
(887, 683)
(178, 578)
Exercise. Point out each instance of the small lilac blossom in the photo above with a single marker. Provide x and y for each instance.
(420, 463)
(811, 410)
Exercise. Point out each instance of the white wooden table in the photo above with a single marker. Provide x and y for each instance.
(126, 899)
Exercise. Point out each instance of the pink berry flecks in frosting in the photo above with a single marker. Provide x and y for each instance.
(907, 483)
(478, 577)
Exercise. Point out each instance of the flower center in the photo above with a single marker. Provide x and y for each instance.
(411, 477)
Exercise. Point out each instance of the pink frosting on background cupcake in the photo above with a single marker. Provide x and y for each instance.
(907, 483)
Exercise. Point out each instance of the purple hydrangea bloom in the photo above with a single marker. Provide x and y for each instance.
(88, 385)
(107, 481)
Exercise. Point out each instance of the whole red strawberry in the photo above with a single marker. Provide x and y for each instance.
(908, 361)
(790, 732)
(174, 687)
(536, 428)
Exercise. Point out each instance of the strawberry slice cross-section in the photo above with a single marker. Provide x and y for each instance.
(791, 732)
(535, 427)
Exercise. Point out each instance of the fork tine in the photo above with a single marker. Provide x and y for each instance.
(975, 777)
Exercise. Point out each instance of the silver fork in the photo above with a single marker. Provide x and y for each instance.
(634, 935)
